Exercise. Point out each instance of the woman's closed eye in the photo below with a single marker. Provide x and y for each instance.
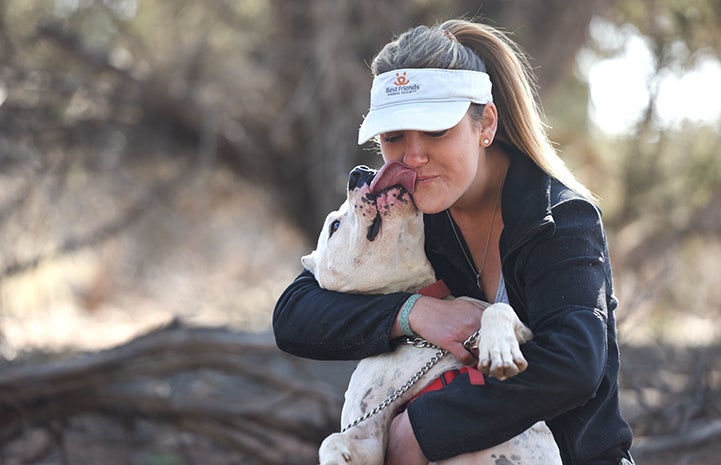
(436, 133)
(391, 137)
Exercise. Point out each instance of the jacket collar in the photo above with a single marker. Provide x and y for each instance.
(526, 201)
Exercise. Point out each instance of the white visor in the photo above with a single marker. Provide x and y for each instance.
(422, 99)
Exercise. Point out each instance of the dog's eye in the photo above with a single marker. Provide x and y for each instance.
(333, 227)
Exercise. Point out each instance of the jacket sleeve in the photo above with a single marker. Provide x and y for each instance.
(312, 322)
(562, 279)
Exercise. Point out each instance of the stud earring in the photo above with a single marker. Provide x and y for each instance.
(486, 141)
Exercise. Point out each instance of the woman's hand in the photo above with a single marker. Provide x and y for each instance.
(447, 323)
(403, 448)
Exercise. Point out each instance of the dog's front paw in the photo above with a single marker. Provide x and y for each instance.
(351, 449)
(335, 450)
(499, 351)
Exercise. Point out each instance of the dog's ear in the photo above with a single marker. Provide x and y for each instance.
(308, 262)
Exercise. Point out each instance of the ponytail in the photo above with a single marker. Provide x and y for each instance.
(460, 44)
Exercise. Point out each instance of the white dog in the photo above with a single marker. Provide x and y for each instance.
(374, 244)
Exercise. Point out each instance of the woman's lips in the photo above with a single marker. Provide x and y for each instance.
(420, 179)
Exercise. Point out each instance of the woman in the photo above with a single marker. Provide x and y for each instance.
(505, 221)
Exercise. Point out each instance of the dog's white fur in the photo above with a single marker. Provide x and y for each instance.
(346, 260)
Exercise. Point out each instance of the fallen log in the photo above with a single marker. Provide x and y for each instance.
(236, 389)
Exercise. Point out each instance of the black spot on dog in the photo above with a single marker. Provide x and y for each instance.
(363, 403)
(503, 460)
(374, 228)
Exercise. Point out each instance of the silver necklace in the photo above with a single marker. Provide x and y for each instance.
(478, 272)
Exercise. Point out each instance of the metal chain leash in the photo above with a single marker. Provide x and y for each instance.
(396, 394)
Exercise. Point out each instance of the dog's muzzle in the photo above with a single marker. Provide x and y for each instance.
(393, 174)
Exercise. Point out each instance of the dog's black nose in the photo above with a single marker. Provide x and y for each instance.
(360, 175)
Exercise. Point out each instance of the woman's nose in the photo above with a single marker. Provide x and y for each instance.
(414, 153)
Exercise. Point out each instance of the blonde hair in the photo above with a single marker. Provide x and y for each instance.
(461, 44)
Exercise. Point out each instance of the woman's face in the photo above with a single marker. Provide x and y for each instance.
(446, 162)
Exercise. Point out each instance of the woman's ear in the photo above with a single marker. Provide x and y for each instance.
(489, 124)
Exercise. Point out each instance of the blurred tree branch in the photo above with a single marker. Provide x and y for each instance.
(255, 399)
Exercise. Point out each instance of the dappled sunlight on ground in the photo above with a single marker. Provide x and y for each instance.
(218, 256)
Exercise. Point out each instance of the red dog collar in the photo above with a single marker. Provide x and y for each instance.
(475, 376)
(439, 290)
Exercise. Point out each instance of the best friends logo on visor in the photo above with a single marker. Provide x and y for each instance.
(402, 85)
(424, 99)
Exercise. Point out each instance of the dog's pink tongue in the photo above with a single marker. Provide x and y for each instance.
(394, 173)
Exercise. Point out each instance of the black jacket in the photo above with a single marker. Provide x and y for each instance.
(558, 278)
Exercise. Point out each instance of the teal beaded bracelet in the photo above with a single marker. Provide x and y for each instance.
(405, 311)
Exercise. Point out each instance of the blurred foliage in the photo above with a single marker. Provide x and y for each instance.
(680, 30)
